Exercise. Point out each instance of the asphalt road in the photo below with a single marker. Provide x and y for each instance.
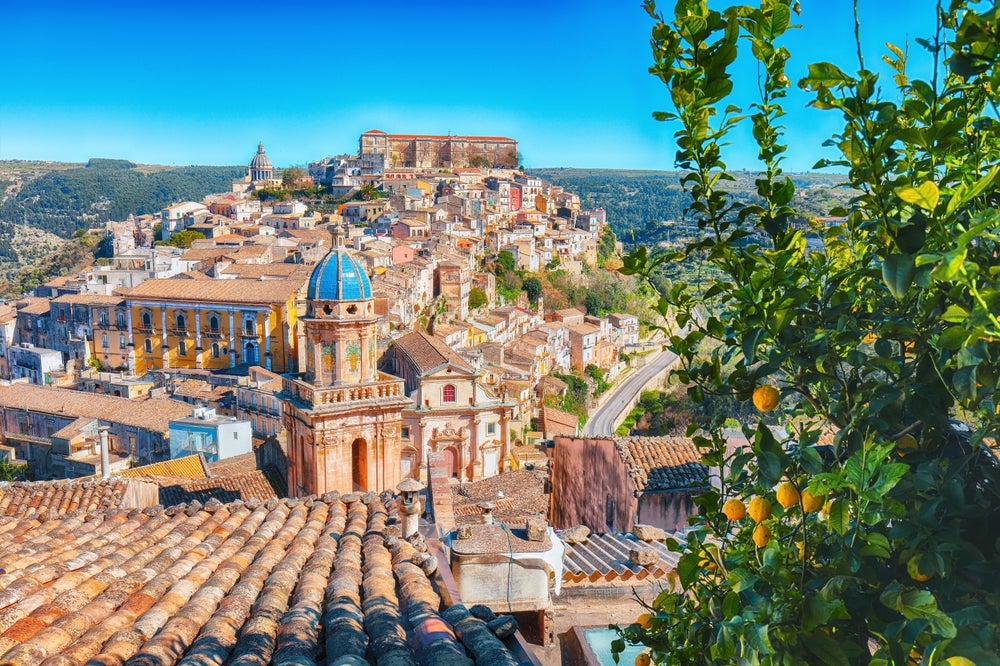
(601, 422)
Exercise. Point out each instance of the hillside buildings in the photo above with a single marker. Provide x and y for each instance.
(354, 344)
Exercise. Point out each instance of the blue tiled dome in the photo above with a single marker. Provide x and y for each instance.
(339, 278)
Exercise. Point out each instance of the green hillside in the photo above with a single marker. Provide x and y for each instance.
(65, 200)
(639, 203)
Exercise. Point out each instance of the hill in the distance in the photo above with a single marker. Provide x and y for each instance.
(63, 200)
(649, 205)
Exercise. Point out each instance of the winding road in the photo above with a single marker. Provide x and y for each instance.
(602, 421)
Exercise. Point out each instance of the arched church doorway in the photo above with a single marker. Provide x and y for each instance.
(451, 461)
(359, 464)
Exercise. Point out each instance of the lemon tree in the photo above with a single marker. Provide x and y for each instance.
(872, 529)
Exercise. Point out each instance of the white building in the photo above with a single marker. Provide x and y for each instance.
(216, 437)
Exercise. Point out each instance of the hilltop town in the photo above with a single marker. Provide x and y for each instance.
(371, 359)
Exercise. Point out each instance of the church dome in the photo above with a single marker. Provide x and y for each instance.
(260, 161)
(338, 277)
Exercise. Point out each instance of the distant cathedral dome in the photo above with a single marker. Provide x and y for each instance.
(338, 277)
(260, 165)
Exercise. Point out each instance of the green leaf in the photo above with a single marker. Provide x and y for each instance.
(918, 604)
(824, 74)
(897, 273)
(965, 193)
(826, 650)
(955, 314)
(876, 545)
(840, 516)
(925, 195)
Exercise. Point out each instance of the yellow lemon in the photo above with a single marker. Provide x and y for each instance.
(643, 620)
(788, 494)
(959, 661)
(759, 509)
(811, 502)
(761, 535)
(765, 398)
(801, 548)
(642, 659)
(905, 444)
(913, 568)
(734, 509)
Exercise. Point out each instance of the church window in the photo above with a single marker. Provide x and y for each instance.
(448, 393)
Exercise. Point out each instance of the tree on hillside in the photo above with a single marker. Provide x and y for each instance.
(477, 298)
(291, 176)
(879, 546)
(504, 262)
(533, 287)
(183, 239)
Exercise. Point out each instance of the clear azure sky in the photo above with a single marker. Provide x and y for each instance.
(196, 82)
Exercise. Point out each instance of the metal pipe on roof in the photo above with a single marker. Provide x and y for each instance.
(105, 454)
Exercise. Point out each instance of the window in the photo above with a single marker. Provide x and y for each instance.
(181, 321)
(182, 348)
(103, 317)
(104, 340)
(448, 393)
(491, 428)
(213, 324)
(215, 350)
(404, 432)
(120, 318)
(249, 327)
(147, 320)
(147, 344)
(121, 342)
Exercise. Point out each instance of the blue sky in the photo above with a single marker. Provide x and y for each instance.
(192, 82)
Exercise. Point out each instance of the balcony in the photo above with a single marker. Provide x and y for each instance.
(180, 333)
(212, 335)
(146, 330)
(321, 397)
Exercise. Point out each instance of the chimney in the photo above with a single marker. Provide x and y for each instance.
(105, 455)
(410, 505)
(487, 508)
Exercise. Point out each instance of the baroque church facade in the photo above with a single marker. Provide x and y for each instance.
(342, 416)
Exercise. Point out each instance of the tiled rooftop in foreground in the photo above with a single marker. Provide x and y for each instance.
(315, 581)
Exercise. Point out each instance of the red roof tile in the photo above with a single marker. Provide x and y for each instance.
(308, 581)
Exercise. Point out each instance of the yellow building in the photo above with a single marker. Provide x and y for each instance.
(212, 323)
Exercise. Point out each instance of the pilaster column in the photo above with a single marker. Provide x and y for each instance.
(266, 351)
(232, 344)
(164, 350)
(131, 340)
(197, 337)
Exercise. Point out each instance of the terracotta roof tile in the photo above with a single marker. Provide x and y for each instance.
(427, 352)
(250, 485)
(292, 581)
(219, 291)
(661, 463)
(604, 558)
(187, 467)
(48, 499)
(153, 415)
